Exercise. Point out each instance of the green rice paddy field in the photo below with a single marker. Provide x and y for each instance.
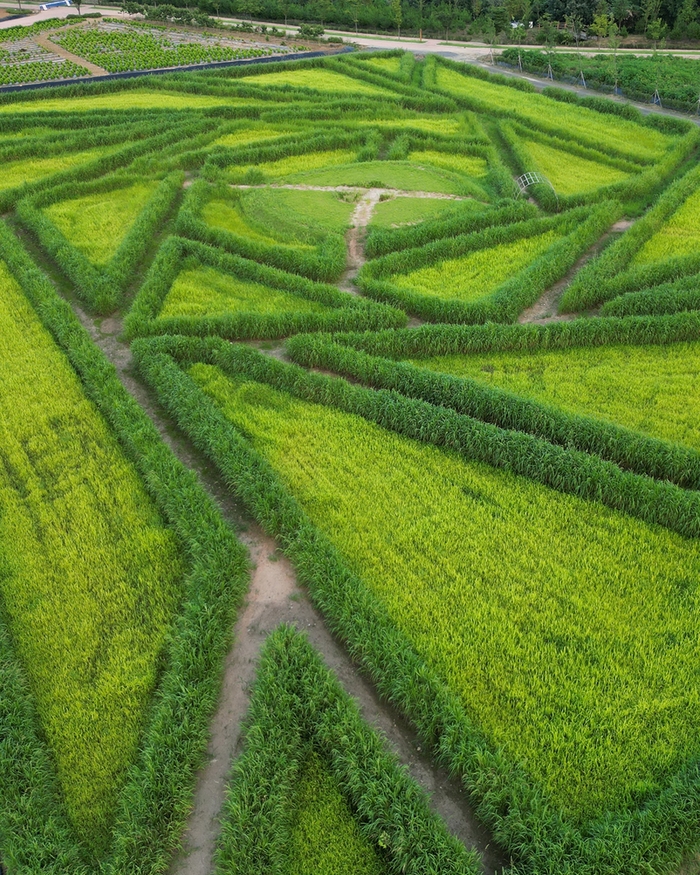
(541, 642)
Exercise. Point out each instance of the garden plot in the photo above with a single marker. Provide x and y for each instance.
(16, 173)
(23, 61)
(120, 46)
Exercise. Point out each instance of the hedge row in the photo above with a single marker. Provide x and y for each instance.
(156, 798)
(325, 264)
(383, 241)
(106, 164)
(100, 289)
(521, 818)
(675, 297)
(627, 449)
(298, 706)
(582, 228)
(544, 124)
(345, 311)
(609, 275)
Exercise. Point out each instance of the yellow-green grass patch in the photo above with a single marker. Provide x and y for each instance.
(289, 168)
(318, 79)
(401, 175)
(679, 236)
(295, 216)
(476, 275)
(128, 100)
(249, 135)
(443, 126)
(324, 836)
(205, 291)
(387, 65)
(569, 631)
(96, 224)
(571, 174)
(411, 210)
(16, 173)
(629, 138)
(651, 389)
(89, 575)
(471, 165)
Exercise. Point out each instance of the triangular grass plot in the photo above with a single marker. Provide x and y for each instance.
(570, 173)
(315, 790)
(90, 578)
(490, 275)
(193, 288)
(103, 536)
(26, 170)
(96, 224)
(97, 231)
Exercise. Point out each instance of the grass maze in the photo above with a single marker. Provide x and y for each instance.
(320, 270)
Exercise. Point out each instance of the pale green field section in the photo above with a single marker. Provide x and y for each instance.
(470, 165)
(571, 174)
(325, 839)
(16, 173)
(679, 236)
(289, 169)
(89, 575)
(208, 292)
(98, 223)
(319, 80)
(651, 389)
(568, 631)
(401, 175)
(637, 141)
(410, 210)
(386, 65)
(282, 216)
(123, 100)
(478, 274)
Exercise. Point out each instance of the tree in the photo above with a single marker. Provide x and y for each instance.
(248, 8)
(686, 18)
(614, 42)
(397, 15)
(601, 21)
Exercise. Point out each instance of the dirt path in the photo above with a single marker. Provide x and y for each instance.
(46, 43)
(544, 310)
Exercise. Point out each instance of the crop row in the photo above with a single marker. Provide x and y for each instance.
(39, 71)
(119, 52)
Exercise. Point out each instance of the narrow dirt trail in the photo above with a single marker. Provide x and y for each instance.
(274, 597)
(544, 310)
(355, 238)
